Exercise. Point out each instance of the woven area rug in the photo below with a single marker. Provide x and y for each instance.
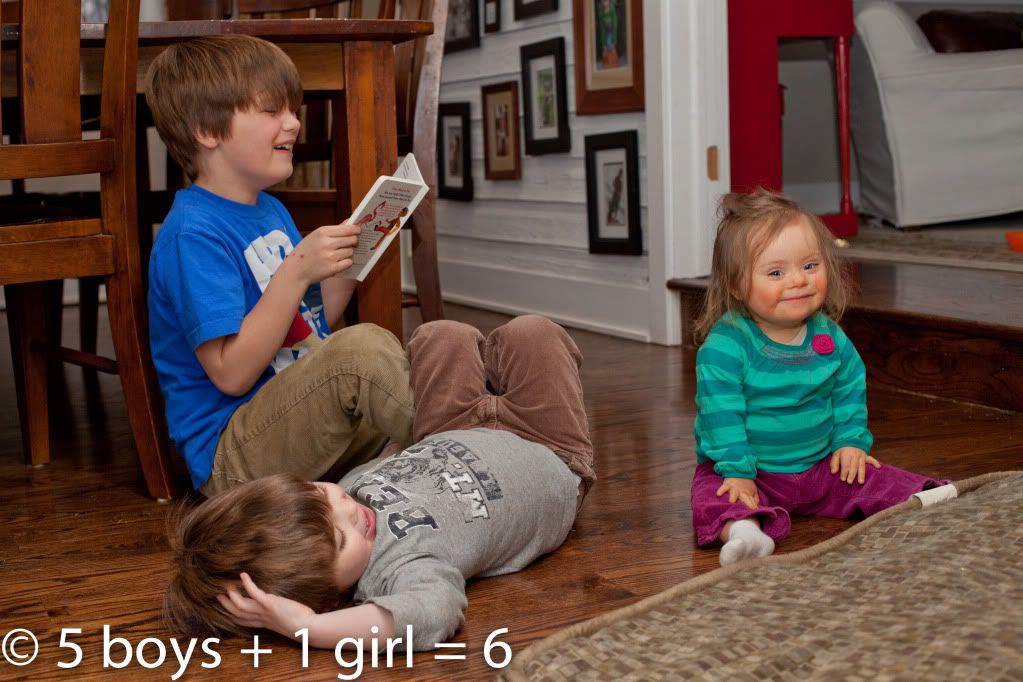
(977, 247)
(908, 594)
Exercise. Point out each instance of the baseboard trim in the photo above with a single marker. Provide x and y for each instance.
(612, 309)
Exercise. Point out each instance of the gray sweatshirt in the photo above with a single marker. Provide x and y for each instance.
(453, 506)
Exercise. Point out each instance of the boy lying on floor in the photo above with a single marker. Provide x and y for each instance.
(497, 485)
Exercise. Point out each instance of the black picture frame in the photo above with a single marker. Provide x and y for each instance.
(548, 101)
(463, 27)
(451, 117)
(491, 9)
(525, 9)
(613, 219)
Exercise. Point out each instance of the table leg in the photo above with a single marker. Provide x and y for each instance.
(365, 130)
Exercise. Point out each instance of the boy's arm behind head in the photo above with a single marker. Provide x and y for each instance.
(278, 529)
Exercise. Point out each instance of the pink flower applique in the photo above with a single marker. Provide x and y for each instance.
(823, 344)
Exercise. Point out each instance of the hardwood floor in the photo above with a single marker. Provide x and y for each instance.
(82, 547)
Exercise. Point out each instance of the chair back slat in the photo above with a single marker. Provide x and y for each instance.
(58, 229)
(49, 70)
(56, 159)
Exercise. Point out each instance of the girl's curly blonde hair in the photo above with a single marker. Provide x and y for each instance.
(748, 223)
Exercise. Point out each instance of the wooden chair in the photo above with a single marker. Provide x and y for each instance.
(417, 74)
(36, 254)
(417, 68)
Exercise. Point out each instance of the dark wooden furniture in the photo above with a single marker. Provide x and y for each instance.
(35, 254)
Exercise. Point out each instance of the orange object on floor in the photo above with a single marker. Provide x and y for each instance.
(1015, 240)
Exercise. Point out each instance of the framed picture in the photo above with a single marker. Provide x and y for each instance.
(502, 155)
(612, 193)
(463, 30)
(531, 8)
(608, 55)
(491, 16)
(454, 161)
(544, 97)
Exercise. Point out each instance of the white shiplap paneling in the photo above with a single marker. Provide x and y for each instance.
(521, 245)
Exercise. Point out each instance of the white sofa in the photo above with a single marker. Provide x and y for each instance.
(938, 137)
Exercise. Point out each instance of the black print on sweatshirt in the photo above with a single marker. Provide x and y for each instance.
(431, 468)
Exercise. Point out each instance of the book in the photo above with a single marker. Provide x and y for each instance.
(382, 212)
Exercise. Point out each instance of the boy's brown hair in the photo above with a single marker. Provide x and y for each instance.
(277, 529)
(749, 221)
(198, 85)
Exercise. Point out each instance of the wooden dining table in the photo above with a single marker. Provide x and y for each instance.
(353, 57)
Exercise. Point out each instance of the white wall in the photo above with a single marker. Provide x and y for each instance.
(522, 246)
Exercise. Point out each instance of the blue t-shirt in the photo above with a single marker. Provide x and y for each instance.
(211, 261)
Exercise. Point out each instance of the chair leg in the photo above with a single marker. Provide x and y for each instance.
(28, 319)
(138, 379)
(424, 260)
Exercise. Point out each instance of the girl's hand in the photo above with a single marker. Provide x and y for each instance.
(853, 463)
(742, 489)
(263, 610)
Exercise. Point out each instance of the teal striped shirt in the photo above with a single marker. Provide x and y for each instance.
(779, 408)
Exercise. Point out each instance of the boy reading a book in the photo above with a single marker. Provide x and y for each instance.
(502, 463)
(240, 305)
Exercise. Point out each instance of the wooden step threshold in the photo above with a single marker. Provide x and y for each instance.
(951, 333)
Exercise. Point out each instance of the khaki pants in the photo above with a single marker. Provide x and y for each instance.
(522, 378)
(332, 410)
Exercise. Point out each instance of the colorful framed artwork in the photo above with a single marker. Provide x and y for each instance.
(531, 8)
(502, 155)
(463, 29)
(545, 97)
(608, 56)
(454, 160)
(491, 16)
(612, 193)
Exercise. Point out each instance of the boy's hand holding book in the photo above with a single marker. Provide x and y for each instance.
(326, 251)
(382, 212)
